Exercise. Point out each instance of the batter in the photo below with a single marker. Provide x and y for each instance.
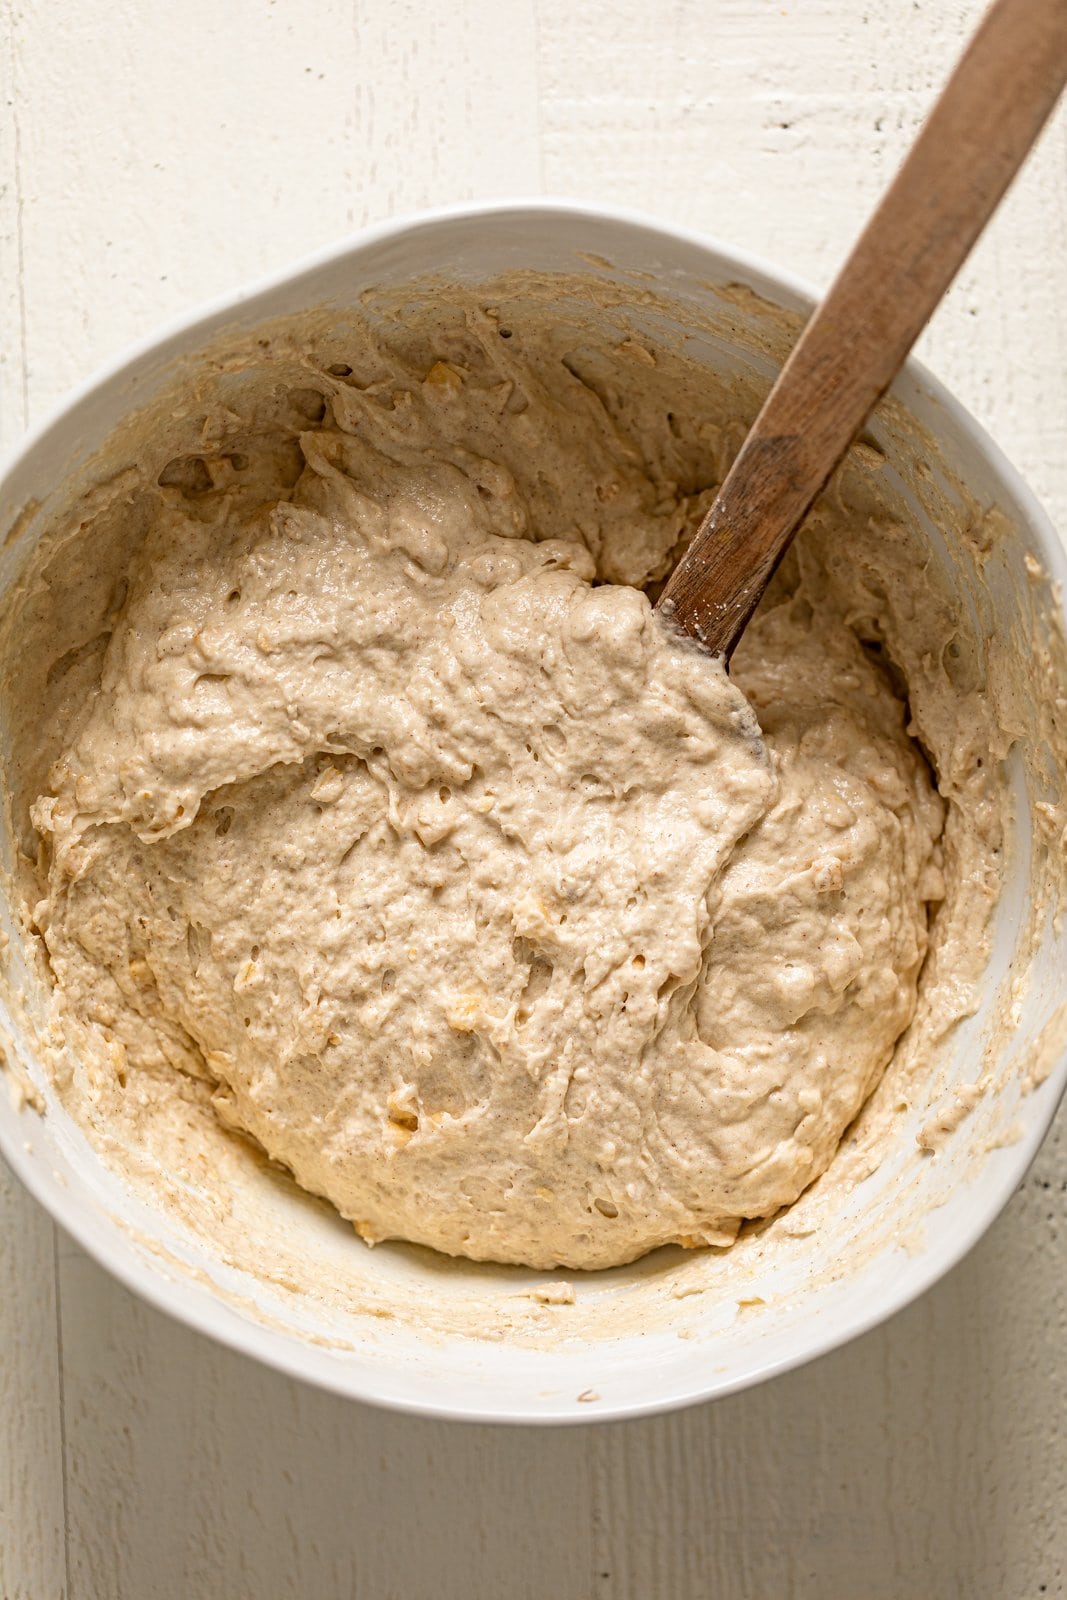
(394, 822)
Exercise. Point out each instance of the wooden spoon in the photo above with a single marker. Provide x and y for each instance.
(974, 141)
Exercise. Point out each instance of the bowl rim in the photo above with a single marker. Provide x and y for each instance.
(284, 1351)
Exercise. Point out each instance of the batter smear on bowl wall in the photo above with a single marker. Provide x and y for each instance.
(386, 824)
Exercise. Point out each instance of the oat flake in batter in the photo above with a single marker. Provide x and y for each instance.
(482, 904)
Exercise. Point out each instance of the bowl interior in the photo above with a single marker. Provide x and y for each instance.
(285, 1279)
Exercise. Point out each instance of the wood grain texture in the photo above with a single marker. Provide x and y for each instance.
(982, 126)
(32, 1545)
(164, 153)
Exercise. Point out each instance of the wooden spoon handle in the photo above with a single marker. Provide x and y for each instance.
(973, 142)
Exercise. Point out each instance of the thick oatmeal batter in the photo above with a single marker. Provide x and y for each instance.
(392, 820)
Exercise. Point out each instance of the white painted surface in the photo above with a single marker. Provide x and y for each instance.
(153, 154)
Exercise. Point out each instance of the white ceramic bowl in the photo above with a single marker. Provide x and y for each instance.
(467, 1341)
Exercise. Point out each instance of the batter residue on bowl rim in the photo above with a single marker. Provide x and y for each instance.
(382, 821)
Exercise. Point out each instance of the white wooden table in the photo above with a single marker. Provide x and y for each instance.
(153, 154)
